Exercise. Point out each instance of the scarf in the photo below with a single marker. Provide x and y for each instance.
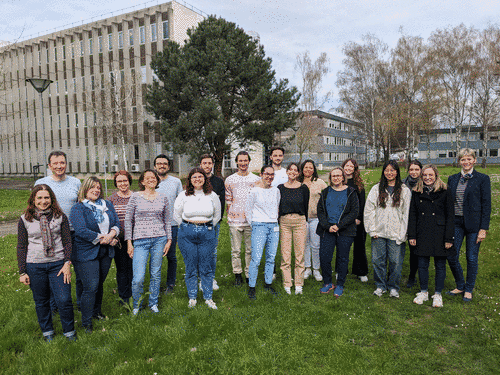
(428, 188)
(411, 182)
(98, 207)
(47, 239)
(465, 177)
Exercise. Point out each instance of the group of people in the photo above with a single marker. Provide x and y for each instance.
(68, 222)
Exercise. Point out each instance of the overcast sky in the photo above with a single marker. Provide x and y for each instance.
(285, 27)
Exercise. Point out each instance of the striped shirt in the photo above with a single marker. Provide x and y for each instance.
(120, 205)
(459, 198)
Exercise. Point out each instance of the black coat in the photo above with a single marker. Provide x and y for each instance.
(431, 222)
(347, 222)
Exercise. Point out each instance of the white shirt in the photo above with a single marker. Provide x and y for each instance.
(198, 207)
(263, 205)
(280, 177)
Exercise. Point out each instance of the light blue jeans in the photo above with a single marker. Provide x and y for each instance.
(144, 247)
(216, 243)
(384, 250)
(268, 235)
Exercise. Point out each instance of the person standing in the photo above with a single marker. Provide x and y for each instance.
(431, 230)
(207, 164)
(65, 189)
(309, 177)
(277, 155)
(171, 187)
(124, 271)
(359, 261)
(294, 204)
(262, 213)
(471, 192)
(238, 187)
(197, 211)
(414, 172)
(386, 222)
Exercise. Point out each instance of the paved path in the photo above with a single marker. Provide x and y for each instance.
(8, 227)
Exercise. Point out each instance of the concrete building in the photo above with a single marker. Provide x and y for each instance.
(325, 138)
(95, 108)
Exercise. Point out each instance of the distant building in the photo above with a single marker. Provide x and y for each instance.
(108, 56)
(325, 138)
(439, 145)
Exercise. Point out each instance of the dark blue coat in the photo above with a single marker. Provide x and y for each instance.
(477, 200)
(86, 231)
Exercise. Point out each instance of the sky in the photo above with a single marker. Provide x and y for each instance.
(286, 28)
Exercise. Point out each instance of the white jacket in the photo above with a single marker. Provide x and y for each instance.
(389, 222)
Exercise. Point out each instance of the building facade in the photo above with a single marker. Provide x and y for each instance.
(94, 110)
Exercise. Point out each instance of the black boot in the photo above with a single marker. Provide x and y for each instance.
(238, 279)
(251, 293)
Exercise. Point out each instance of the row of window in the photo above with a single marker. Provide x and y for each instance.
(492, 152)
(337, 156)
(337, 125)
(337, 141)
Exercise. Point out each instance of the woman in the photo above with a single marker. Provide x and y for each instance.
(43, 257)
(262, 213)
(96, 228)
(197, 211)
(309, 177)
(359, 261)
(386, 222)
(293, 209)
(471, 194)
(147, 224)
(120, 199)
(337, 212)
(414, 172)
(430, 231)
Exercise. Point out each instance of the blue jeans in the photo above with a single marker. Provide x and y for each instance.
(384, 250)
(268, 235)
(44, 282)
(172, 258)
(216, 244)
(92, 274)
(144, 247)
(78, 282)
(471, 254)
(196, 243)
(328, 242)
(423, 272)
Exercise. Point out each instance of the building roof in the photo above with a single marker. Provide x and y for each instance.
(329, 116)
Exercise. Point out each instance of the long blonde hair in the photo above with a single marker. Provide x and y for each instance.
(438, 184)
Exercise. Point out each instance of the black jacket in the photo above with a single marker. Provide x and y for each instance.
(347, 222)
(432, 222)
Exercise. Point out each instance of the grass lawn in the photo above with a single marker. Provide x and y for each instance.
(358, 333)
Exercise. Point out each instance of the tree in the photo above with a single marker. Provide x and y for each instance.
(218, 90)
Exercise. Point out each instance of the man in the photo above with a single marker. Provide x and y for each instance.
(65, 189)
(207, 164)
(238, 186)
(280, 176)
(170, 186)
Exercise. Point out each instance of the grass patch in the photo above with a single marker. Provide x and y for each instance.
(12, 203)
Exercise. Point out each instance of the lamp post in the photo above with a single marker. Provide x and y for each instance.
(40, 85)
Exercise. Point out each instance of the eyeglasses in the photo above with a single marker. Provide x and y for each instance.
(162, 164)
(269, 174)
(337, 176)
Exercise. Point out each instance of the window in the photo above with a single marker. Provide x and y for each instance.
(82, 49)
(76, 119)
(39, 58)
(153, 32)
(441, 154)
(74, 84)
(72, 51)
(66, 85)
(64, 52)
(143, 74)
(120, 39)
(92, 83)
(110, 41)
(131, 37)
(83, 83)
(55, 54)
(494, 152)
(99, 42)
(47, 56)
(57, 88)
(165, 29)
(91, 46)
(136, 152)
(142, 35)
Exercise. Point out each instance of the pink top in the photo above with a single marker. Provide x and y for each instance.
(237, 192)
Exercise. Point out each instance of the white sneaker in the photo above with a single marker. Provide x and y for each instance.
(274, 276)
(437, 300)
(298, 290)
(154, 309)
(307, 273)
(317, 275)
(379, 292)
(394, 293)
(191, 303)
(364, 279)
(210, 303)
(421, 298)
(135, 312)
(287, 290)
(336, 276)
(215, 286)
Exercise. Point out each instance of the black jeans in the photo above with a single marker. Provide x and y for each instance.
(124, 271)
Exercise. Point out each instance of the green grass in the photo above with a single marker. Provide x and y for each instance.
(309, 334)
(12, 203)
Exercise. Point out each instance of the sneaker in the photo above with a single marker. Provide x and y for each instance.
(191, 303)
(327, 288)
(238, 280)
(421, 298)
(169, 290)
(154, 309)
(317, 275)
(394, 293)
(72, 338)
(288, 290)
(379, 292)
(48, 338)
(437, 300)
(336, 276)
(247, 280)
(215, 286)
(339, 290)
(210, 303)
(307, 273)
(251, 293)
(274, 276)
(270, 289)
(363, 279)
(135, 312)
(298, 290)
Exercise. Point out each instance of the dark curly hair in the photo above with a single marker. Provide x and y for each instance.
(314, 176)
(383, 183)
(207, 186)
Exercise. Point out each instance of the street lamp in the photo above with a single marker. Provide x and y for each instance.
(40, 85)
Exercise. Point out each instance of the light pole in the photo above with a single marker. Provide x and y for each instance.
(40, 85)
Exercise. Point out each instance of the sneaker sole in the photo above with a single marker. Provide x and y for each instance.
(329, 290)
